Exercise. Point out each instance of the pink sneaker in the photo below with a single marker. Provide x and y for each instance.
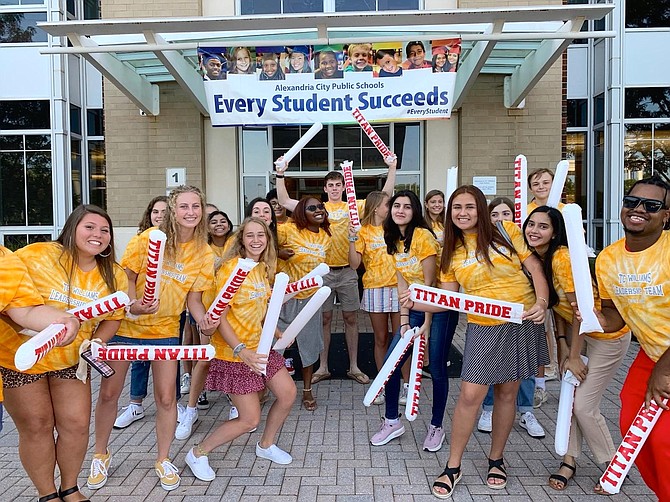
(386, 432)
(434, 439)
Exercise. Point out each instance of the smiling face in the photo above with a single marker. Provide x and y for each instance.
(401, 212)
(334, 189)
(242, 60)
(388, 64)
(188, 210)
(218, 226)
(269, 67)
(280, 211)
(254, 240)
(327, 64)
(158, 213)
(452, 57)
(501, 212)
(262, 210)
(440, 60)
(539, 231)
(359, 55)
(464, 213)
(297, 61)
(416, 55)
(638, 221)
(213, 68)
(540, 185)
(92, 235)
(435, 205)
(315, 211)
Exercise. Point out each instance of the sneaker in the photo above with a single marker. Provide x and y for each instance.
(168, 474)
(203, 403)
(185, 383)
(485, 423)
(403, 394)
(550, 373)
(274, 454)
(180, 412)
(380, 399)
(132, 413)
(200, 466)
(183, 430)
(386, 432)
(289, 366)
(434, 439)
(540, 397)
(99, 467)
(530, 423)
(233, 414)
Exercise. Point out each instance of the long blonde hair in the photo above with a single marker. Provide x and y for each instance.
(170, 225)
(267, 258)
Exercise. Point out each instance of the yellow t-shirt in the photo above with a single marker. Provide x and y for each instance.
(193, 271)
(438, 230)
(219, 252)
(532, 206)
(379, 265)
(338, 216)
(636, 283)
(409, 264)
(17, 291)
(310, 250)
(49, 270)
(247, 309)
(503, 281)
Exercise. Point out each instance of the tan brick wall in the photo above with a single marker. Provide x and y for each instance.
(114, 9)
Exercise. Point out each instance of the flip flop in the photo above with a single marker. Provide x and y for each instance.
(308, 404)
(317, 377)
(359, 376)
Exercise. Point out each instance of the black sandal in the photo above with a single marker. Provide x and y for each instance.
(454, 475)
(563, 479)
(70, 491)
(51, 496)
(500, 465)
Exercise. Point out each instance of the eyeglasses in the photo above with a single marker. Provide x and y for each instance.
(313, 207)
(650, 205)
(274, 203)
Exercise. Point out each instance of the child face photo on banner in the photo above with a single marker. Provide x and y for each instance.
(212, 66)
(242, 61)
(326, 62)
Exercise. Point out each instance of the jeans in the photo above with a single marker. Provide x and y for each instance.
(442, 328)
(0, 417)
(524, 399)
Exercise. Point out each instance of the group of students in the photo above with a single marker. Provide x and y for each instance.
(399, 246)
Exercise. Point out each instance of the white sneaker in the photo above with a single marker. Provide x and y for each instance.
(233, 414)
(274, 454)
(485, 423)
(380, 399)
(183, 430)
(180, 412)
(200, 466)
(185, 383)
(540, 397)
(550, 373)
(132, 413)
(530, 423)
(403, 394)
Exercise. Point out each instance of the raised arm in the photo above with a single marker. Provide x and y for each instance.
(392, 162)
(282, 194)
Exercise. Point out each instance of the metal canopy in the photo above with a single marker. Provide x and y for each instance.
(136, 54)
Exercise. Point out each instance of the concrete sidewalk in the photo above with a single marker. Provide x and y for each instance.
(333, 458)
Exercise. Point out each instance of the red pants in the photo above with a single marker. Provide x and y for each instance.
(653, 461)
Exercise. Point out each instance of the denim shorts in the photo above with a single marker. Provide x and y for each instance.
(124, 340)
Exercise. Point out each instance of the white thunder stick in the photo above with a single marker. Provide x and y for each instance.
(630, 447)
(557, 185)
(566, 401)
(152, 353)
(520, 189)
(227, 292)
(272, 316)
(581, 274)
(31, 351)
(303, 285)
(101, 306)
(452, 182)
(470, 304)
(389, 366)
(416, 372)
(301, 143)
(307, 312)
(155, 256)
(372, 134)
(350, 189)
(319, 271)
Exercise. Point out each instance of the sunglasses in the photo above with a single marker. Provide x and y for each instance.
(313, 207)
(650, 205)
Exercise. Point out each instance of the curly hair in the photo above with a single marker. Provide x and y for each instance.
(170, 225)
(145, 222)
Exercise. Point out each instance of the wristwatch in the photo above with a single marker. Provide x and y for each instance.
(238, 349)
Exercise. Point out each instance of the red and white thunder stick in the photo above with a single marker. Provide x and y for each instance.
(307, 312)
(38, 346)
(566, 401)
(101, 306)
(630, 447)
(372, 134)
(303, 285)
(319, 271)
(350, 189)
(416, 370)
(227, 292)
(470, 304)
(155, 255)
(389, 366)
(300, 144)
(520, 189)
(272, 315)
(152, 353)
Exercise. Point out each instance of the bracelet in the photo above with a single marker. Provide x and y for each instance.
(280, 176)
(240, 347)
(561, 336)
(353, 238)
(405, 324)
(543, 299)
(404, 315)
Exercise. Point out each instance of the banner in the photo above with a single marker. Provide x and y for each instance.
(308, 84)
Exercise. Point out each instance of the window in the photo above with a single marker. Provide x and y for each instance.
(599, 109)
(21, 27)
(577, 113)
(76, 171)
(280, 6)
(374, 5)
(648, 13)
(576, 182)
(94, 122)
(646, 151)
(647, 102)
(17, 241)
(25, 115)
(21, 2)
(91, 9)
(97, 173)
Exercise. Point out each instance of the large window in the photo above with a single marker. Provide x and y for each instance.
(21, 27)
(647, 102)
(25, 115)
(248, 7)
(647, 13)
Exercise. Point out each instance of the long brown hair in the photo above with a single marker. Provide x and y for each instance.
(426, 213)
(488, 236)
(145, 222)
(169, 224)
(269, 256)
(372, 202)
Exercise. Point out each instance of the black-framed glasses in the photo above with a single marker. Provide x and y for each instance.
(650, 205)
(313, 207)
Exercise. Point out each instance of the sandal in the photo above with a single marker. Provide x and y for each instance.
(562, 479)
(51, 496)
(500, 465)
(70, 491)
(308, 404)
(454, 475)
(317, 377)
(598, 490)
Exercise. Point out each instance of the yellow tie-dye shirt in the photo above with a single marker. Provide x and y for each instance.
(409, 264)
(192, 271)
(532, 206)
(636, 283)
(438, 230)
(379, 265)
(49, 271)
(502, 281)
(310, 250)
(338, 216)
